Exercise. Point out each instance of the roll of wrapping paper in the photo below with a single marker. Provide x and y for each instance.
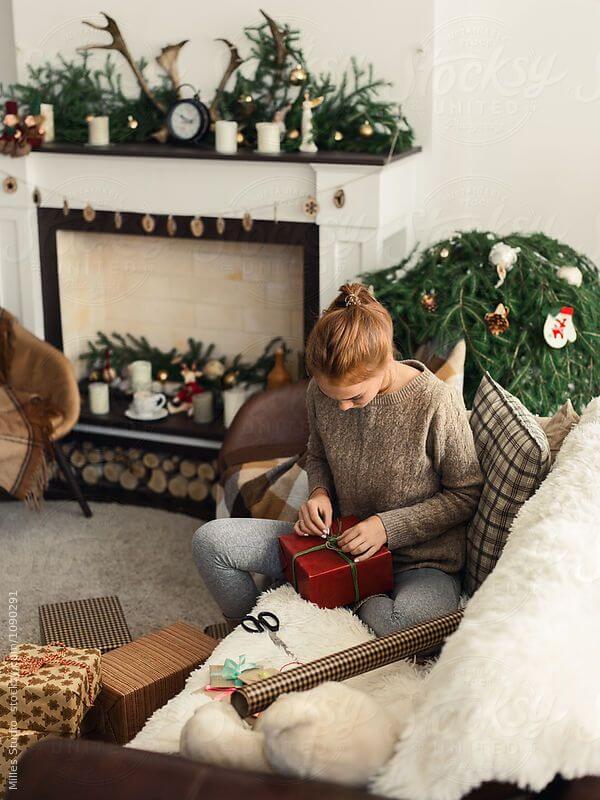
(346, 664)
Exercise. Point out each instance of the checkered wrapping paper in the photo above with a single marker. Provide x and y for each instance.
(94, 622)
(514, 455)
(346, 664)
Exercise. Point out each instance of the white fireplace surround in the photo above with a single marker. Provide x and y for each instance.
(372, 230)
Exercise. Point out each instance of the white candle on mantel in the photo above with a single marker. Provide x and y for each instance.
(268, 134)
(98, 131)
(99, 400)
(226, 136)
(47, 111)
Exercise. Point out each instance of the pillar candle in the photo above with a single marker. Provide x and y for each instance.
(98, 131)
(268, 137)
(226, 136)
(140, 375)
(99, 400)
(233, 400)
(203, 407)
(47, 110)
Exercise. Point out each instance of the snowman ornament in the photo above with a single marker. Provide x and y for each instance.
(559, 328)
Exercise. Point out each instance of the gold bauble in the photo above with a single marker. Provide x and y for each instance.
(94, 376)
(246, 104)
(197, 227)
(89, 214)
(230, 378)
(148, 223)
(298, 75)
(240, 138)
(338, 136)
(293, 134)
(162, 375)
(132, 122)
(366, 129)
(444, 252)
(429, 302)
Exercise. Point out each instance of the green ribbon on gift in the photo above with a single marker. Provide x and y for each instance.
(232, 670)
(329, 544)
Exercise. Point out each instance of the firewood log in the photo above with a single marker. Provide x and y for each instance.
(188, 468)
(178, 486)
(109, 455)
(113, 471)
(91, 474)
(95, 456)
(85, 446)
(168, 465)
(158, 481)
(151, 460)
(128, 480)
(138, 469)
(206, 471)
(198, 490)
(78, 459)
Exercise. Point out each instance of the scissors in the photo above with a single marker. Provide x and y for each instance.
(266, 621)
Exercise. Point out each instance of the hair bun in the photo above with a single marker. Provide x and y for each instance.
(353, 294)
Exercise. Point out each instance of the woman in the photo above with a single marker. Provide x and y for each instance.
(390, 443)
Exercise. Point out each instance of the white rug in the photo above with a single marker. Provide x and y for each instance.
(310, 633)
(515, 694)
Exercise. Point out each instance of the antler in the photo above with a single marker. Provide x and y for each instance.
(118, 44)
(168, 61)
(234, 62)
(281, 51)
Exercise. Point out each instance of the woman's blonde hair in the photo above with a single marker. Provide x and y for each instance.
(353, 337)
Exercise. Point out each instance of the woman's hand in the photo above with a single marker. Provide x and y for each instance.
(315, 516)
(364, 539)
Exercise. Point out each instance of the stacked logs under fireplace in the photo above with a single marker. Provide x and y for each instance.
(143, 476)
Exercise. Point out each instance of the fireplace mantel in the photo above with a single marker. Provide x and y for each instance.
(373, 229)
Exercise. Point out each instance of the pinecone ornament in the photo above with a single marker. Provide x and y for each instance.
(497, 321)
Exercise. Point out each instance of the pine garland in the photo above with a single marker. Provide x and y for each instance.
(464, 286)
(345, 108)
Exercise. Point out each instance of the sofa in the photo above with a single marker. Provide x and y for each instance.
(64, 769)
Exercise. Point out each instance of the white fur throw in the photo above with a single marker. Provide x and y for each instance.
(515, 694)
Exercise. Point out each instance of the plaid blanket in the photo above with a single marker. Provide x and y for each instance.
(25, 428)
(268, 489)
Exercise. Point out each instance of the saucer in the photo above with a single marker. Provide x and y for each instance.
(160, 413)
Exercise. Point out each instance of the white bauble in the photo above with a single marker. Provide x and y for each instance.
(213, 369)
(572, 275)
(503, 257)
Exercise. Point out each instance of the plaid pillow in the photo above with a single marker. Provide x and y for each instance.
(515, 458)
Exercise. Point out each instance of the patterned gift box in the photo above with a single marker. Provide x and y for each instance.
(12, 744)
(320, 572)
(48, 688)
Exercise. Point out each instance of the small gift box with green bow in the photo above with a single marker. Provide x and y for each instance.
(227, 675)
(322, 573)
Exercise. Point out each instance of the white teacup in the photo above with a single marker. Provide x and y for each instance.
(145, 404)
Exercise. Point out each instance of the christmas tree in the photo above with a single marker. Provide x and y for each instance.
(500, 294)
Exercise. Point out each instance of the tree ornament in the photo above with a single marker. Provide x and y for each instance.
(162, 375)
(503, 257)
(89, 214)
(293, 134)
(94, 376)
(572, 275)
(298, 75)
(109, 373)
(311, 207)
(338, 136)
(132, 122)
(37, 197)
(559, 328)
(197, 227)
(171, 225)
(230, 378)
(429, 302)
(240, 138)
(118, 220)
(9, 184)
(214, 369)
(183, 400)
(497, 321)
(247, 222)
(148, 223)
(65, 207)
(246, 104)
(308, 143)
(366, 130)
(444, 252)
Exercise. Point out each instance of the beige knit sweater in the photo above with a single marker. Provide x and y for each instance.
(408, 457)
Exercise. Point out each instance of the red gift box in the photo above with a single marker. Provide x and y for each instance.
(328, 577)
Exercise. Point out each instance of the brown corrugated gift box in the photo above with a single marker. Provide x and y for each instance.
(142, 676)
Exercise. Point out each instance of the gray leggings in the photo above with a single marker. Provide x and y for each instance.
(226, 551)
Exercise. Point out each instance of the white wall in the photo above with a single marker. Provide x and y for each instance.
(516, 119)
